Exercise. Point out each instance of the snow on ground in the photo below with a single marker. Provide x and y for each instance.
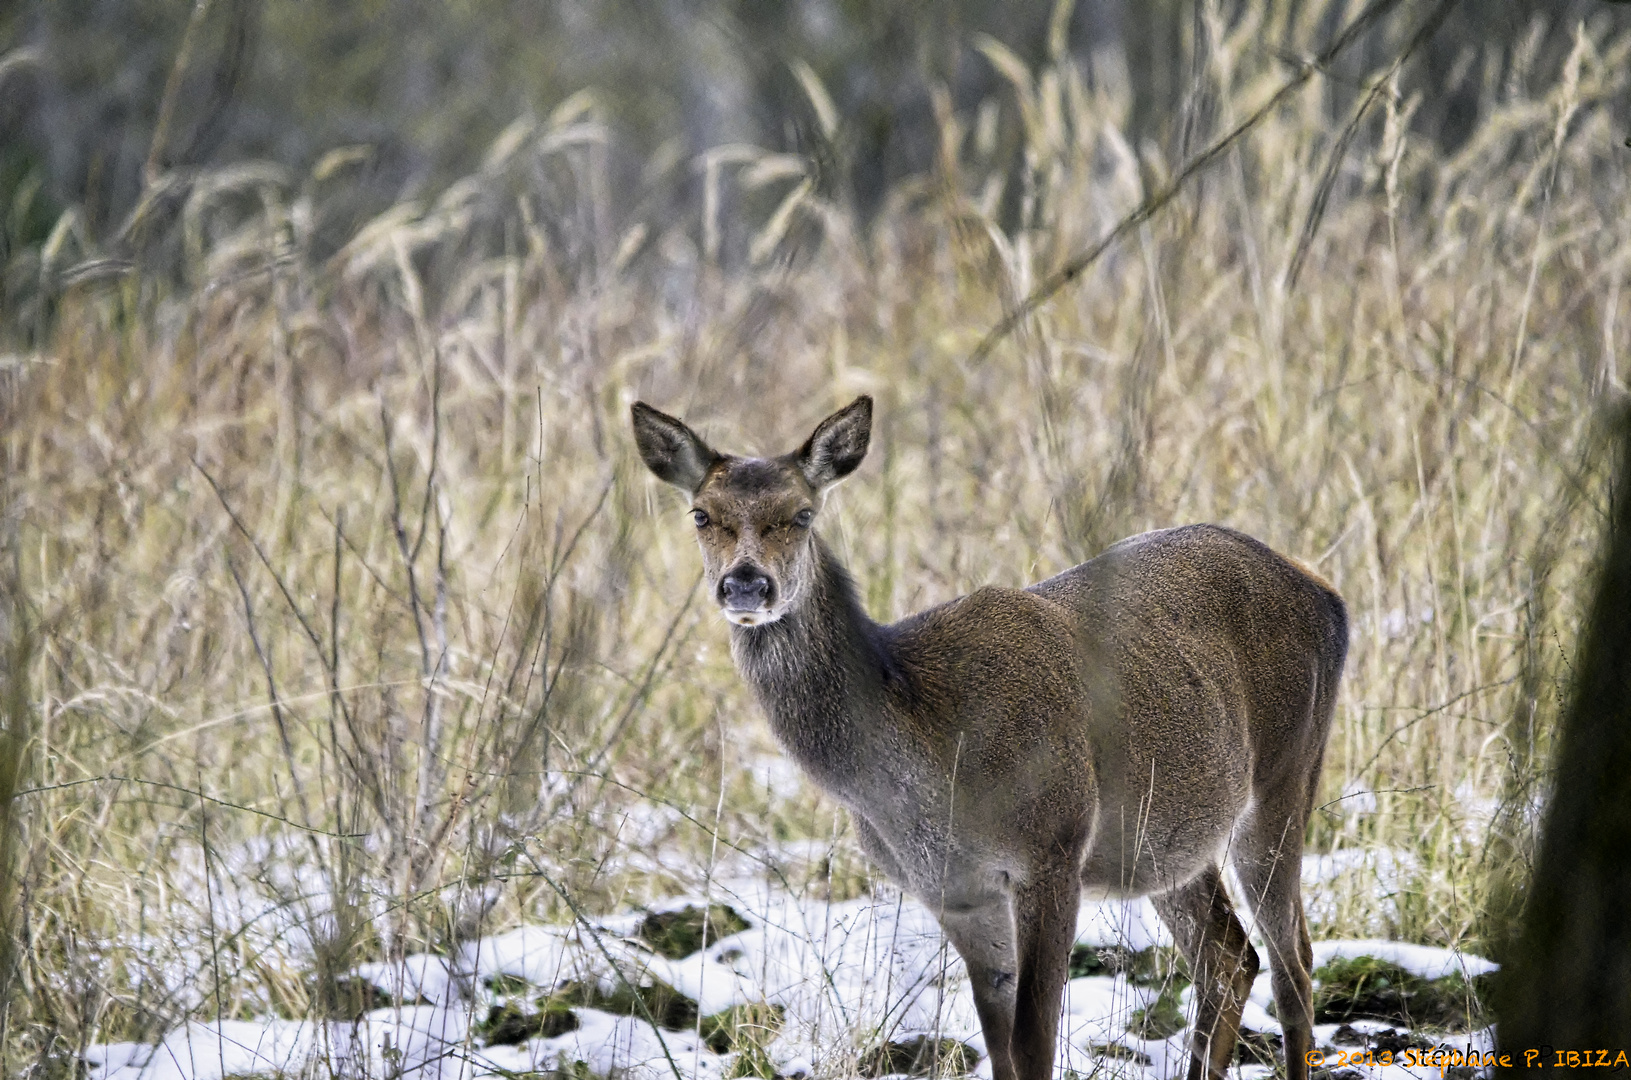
(849, 975)
(1420, 960)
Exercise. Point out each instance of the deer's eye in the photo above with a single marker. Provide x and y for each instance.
(700, 518)
(802, 518)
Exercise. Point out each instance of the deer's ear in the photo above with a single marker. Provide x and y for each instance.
(670, 449)
(836, 448)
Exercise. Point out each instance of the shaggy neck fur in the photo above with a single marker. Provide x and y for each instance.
(820, 673)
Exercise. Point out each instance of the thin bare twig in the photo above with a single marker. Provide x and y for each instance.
(404, 549)
(260, 553)
(117, 778)
(271, 690)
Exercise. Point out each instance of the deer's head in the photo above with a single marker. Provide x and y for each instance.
(753, 515)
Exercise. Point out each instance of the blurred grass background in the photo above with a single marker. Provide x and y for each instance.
(337, 609)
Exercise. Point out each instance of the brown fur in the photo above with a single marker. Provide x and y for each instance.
(1123, 727)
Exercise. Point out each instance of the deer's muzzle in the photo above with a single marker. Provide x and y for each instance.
(747, 594)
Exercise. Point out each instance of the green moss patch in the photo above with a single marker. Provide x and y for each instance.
(577, 1070)
(651, 999)
(742, 1026)
(1364, 988)
(509, 1024)
(1158, 965)
(505, 985)
(741, 1029)
(348, 997)
(1086, 960)
(1161, 1018)
(923, 1055)
(1118, 1052)
(678, 934)
(746, 1031)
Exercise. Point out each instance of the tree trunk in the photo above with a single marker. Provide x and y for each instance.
(1567, 985)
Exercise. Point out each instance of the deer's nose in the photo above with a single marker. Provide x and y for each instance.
(745, 588)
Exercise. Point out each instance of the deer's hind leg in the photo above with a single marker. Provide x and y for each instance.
(1268, 858)
(1221, 961)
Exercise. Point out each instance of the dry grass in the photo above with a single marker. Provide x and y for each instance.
(344, 572)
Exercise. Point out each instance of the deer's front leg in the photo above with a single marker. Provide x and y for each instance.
(984, 937)
(980, 926)
(1045, 917)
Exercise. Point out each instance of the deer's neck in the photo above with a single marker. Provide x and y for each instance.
(819, 673)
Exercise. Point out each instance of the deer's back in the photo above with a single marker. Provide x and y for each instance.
(1150, 695)
(1206, 653)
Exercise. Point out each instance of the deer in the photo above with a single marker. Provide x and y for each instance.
(1121, 729)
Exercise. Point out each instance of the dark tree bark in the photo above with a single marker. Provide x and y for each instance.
(1567, 984)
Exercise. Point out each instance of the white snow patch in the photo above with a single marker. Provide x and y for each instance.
(210, 1051)
(1132, 923)
(536, 954)
(776, 774)
(1423, 961)
(848, 974)
(417, 980)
